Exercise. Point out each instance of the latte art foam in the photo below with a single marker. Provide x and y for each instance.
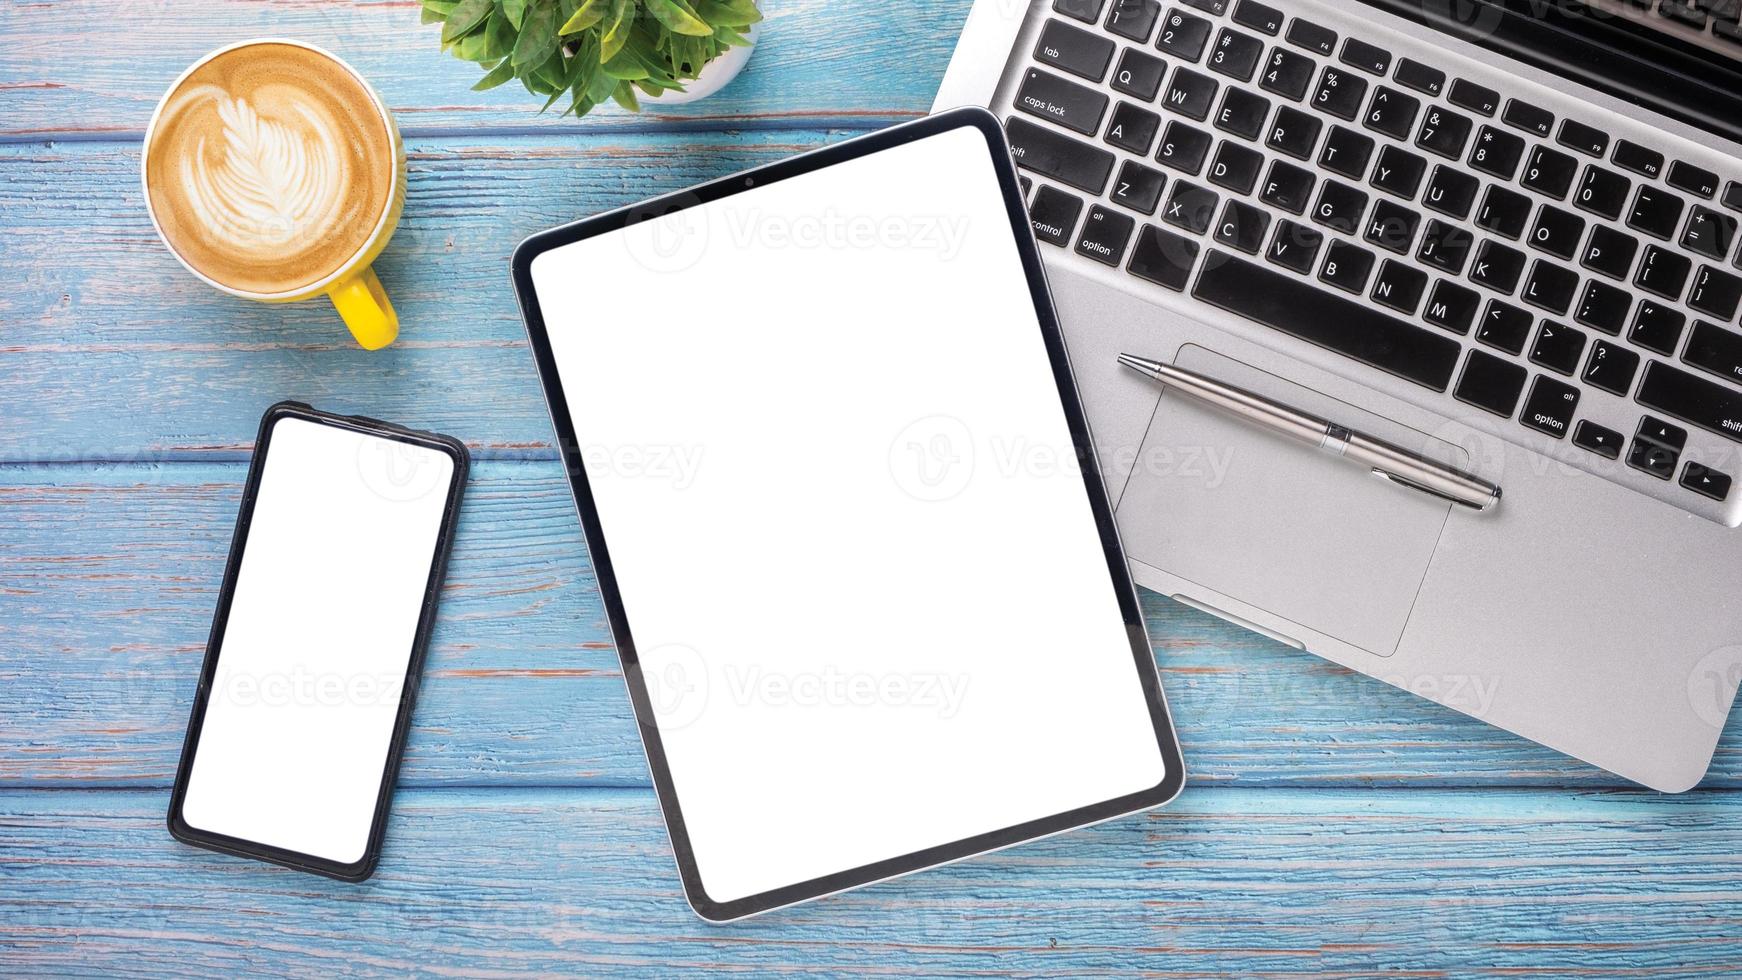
(269, 168)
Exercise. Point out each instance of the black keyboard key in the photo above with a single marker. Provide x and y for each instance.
(1444, 132)
(1693, 13)
(1698, 181)
(1715, 349)
(1610, 252)
(1662, 433)
(1594, 438)
(1427, 80)
(1603, 192)
(1054, 215)
(1235, 54)
(1236, 167)
(1451, 191)
(1243, 113)
(1053, 154)
(1709, 233)
(1183, 35)
(1497, 267)
(1445, 247)
(1588, 140)
(1639, 159)
(1133, 128)
(1557, 232)
(1139, 74)
(1294, 133)
(1663, 272)
(1319, 40)
(1503, 212)
(1611, 368)
(1066, 103)
(1191, 207)
(1184, 148)
(1657, 327)
(1392, 112)
(1715, 293)
(1706, 482)
(1027, 184)
(1733, 195)
(1340, 93)
(1138, 187)
(1550, 406)
(1603, 307)
(1504, 327)
(1217, 7)
(1497, 153)
(1477, 98)
(1550, 172)
(1347, 152)
(1550, 287)
(1399, 286)
(1288, 187)
(1104, 235)
(1163, 258)
(1261, 18)
(1340, 207)
(1452, 307)
(1243, 226)
(1491, 384)
(1294, 247)
(1347, 266)
(1399, 172)
(1134, 19)
(1652, 458)
(1087, 11)
(1367, 57)
(1532, 119)
(1392, 227)
(1287, 73)
(1711, 406)
(1346, 326)
(1191, 94)
(1074, 50)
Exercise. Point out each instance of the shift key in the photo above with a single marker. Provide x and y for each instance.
(1051, 153)
(1066, 103)
(1691, 398)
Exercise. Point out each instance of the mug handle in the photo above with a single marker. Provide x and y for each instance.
(366, 309)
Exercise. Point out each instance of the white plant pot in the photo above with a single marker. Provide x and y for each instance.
(713, 78)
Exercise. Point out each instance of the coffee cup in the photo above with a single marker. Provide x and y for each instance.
(274, 172)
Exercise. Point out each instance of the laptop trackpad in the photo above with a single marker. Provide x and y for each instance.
(1279, 525)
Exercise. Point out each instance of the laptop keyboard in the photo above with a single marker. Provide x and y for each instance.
(1366, 201)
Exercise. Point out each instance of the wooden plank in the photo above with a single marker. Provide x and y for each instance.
(1223, 883)
(108, 578)
(893, 56)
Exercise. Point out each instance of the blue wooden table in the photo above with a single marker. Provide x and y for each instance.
(1332, 825)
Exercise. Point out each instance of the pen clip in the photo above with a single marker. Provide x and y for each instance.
(1430, 491)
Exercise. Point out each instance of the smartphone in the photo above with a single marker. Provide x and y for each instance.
(310, 674)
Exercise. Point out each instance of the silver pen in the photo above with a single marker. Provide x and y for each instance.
(1387, 461)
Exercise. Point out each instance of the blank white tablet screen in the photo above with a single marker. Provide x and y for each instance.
(320, 634)
(837, 485)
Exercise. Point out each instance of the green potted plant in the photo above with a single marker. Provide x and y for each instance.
(589, 51)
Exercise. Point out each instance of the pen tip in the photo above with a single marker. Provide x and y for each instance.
(1137, 363)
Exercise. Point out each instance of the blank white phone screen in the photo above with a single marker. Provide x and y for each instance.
(322, 624)
(837, 484)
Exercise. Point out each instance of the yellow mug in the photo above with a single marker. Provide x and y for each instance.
(274, 172)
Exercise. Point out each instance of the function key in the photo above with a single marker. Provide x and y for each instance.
(1183, 36)
(1529, 118)
(1087, 11)
(1476, 98)
(1217, 7)
(1592, 437)
(1639, 159)
(1075, 50)
(1134, 19)
(1422, 78)
(1367, 57)
(1698, 181)
(1550, 407)
(1733, 196)
(1590, 140)
(1706, 482)
(1250, 13)
(1319, 40)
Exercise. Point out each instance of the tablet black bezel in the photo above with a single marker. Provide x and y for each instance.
(987, 124)
(361, 869)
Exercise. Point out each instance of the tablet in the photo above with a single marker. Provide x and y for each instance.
(841, 500)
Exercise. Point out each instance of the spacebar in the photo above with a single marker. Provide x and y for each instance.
(1295, 308)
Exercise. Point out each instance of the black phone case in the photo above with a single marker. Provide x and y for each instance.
(362, 869)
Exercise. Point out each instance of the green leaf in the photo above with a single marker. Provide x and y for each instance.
(498, 75)
(678, 17)
(587, 15)
(515, 11)
(616, 28)
(467, 17)
(434, 10)
(498, 38)
(626, 67)
(625, 96)
(538, 36)
(728, 13)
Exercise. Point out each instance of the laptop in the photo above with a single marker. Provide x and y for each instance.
(1499, 233)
